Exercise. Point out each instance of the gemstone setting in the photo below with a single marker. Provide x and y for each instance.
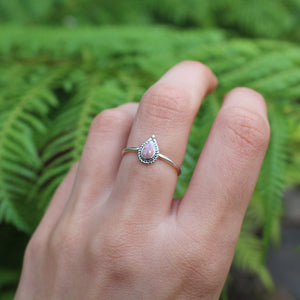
(148, 151)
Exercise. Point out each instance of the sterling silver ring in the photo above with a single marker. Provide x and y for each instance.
(148, 153)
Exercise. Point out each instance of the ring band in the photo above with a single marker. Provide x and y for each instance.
(148, 153)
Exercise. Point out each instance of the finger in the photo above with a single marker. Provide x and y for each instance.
(167, 110)
(214, 205)
(101, 157)
(58, 202)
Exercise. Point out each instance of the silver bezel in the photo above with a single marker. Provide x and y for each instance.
(154, 158)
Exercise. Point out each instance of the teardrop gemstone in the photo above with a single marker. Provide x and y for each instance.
(148, 150)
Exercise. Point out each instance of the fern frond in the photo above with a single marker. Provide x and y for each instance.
(197, 138)
(271, 180)
(67, 77)
(65, 146)
(248, 257)
(19, 159)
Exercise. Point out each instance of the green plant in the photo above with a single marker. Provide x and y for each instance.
(53, 82)
(256, 18)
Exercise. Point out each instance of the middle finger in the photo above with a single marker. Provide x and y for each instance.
(167, 110)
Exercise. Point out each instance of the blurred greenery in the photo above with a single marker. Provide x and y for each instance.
(60, 68)
(255, 18)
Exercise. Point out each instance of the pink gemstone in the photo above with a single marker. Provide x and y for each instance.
(148, 150)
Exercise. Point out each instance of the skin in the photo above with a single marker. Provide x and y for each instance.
(112, 229)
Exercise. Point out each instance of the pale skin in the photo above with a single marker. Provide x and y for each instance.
(112, 229)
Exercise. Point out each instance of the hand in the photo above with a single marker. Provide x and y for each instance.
(113, 231)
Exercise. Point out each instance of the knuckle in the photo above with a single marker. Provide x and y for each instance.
(166, 103)
(114, 251)
(107, 248)
(108, 119)
(193, 262)
(64, 242)
(199, 257)
(246, 130)
(104, 125)
(213, 268)
(206, 272)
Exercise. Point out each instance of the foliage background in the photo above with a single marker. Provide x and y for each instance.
(63, 61)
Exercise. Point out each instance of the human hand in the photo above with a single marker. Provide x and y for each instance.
(112, 229)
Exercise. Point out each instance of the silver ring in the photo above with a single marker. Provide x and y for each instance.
(148, 153)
